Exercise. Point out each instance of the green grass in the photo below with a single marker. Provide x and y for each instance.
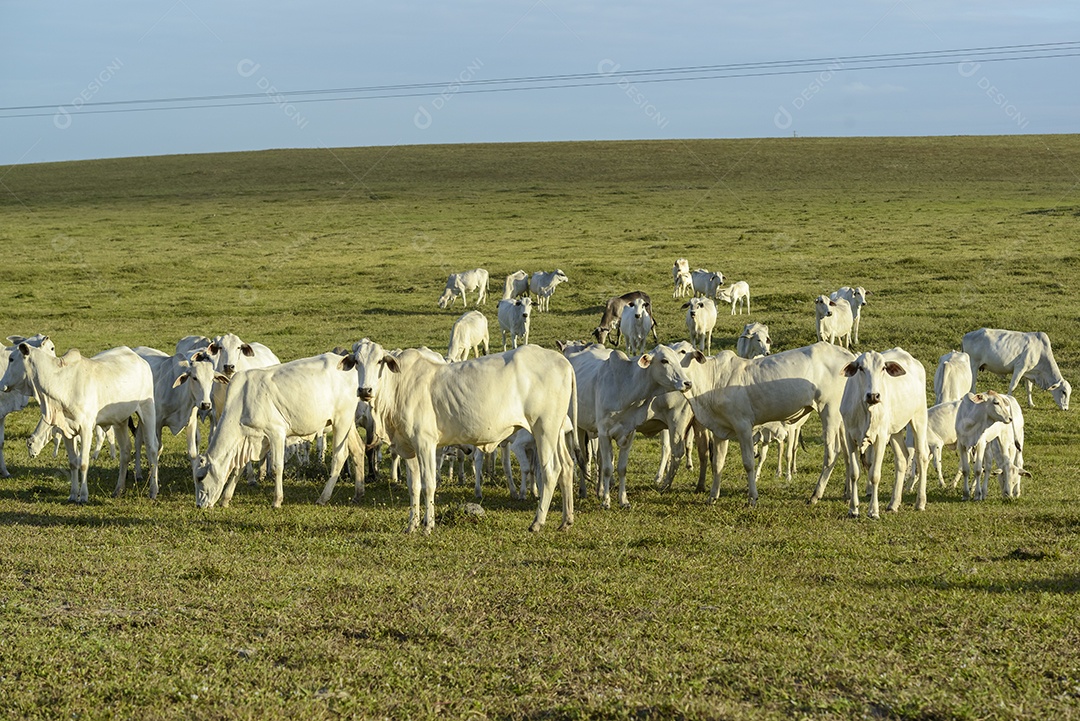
(129, 608)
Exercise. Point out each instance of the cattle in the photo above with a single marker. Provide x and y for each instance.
(612, 389)
(1027, 356)
(940, 434)
(19, 396)
(952, 379)
(459, 284)
(737, 291)
(684, 282)
(833, 320)
(182, 389)
(700, 321)
(516, 285)
(706, 283)
(469, 331)
(609, 321)
(635, 323)
(191, 343)
(543, 284)
(77, 394)
(754, 341)
(266, 406)
(885, 393)
(980, 419)
(523, 446)
(1007, 451)
(856, 298)
(787, 437)
(230, 355)
(423, 405)
(731, 395)
(515, 320)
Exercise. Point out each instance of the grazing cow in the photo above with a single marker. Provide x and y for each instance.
(77, 394)
(182, 389)
(856, 298)
(700, 321)
(706, 283)
(952, 379)
(612, 393)
(458, 284)
(634, 326)
(885, 393)
(469, 331)
(980, 419)
(684, 282)
(516, 285)
(423, 405)
(833, 320)
(754, 341)
(515, 319)
(1026, 356)
(543, 285)
(19, 396)
(266, 406)
(609, 321)
(737, 291)
(731, 395)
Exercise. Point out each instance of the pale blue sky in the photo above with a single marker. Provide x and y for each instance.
(61, 54)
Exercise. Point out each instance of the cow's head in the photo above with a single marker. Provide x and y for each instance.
(371, 362)
(1061, 392)
(600, 333)
(228, 353)
(665, 367)
(870, 370)
(823, 305)
(995, 405)
(40, 438)
(200, 378)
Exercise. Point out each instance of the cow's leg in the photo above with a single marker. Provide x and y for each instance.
(746, 446)
(665, 460)
(3, 466)
(606, 469)
(965, 468)
(876, 453)
(508, 470)
(719, 459)
(73, 468)
(124, 441)
(1031, 404)
(428, 481)
(705, 445)
(851, 477)
(899, 456)
(625, 443)
(151, 438)
(358, 455)
(340, 451)
(86, 437)
(412, 481)
(831, 435)
(276, 458)
(554, 467)
(478, 472)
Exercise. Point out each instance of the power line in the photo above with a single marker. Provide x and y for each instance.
(690, 73)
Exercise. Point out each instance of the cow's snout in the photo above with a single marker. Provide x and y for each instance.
(687, 385)
(229, 370)
(204, 406)
(363, 394)
(873, 398)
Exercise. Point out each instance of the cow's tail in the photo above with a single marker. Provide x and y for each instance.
(573, 413)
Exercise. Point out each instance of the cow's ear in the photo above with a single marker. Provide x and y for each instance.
(180, 379)
(976, 397)
(199, 356)
(895, 369)
(699, 356)
(832, 302)
(347, 363)
(851, 369)
(214, 348)
(390, 362)
(686, 304)
(645, 360)
(221, 378)
(246, 350)
(24, 349)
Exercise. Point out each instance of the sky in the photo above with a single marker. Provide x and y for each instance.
(61, 59)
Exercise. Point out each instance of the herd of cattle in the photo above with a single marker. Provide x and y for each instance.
(555, 409)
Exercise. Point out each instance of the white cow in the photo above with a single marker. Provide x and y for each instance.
(980, 419)
(635, 324)
(833, 320)
(613, 391)
(885, 393)
(230, 355)
(787, 437)
(77, 394)
(737, 291)
(706, 283)
(469, 331)
(516, 285)
(543, 285)
(515, 318)
(19, 396)
(940, 434)
(754, 341)
(856, 298)
(458, 284)
(684, 282)
(700, 321)
(423, 405)
(266, 406)
(731, 395)
(952, 379)
(1026, 356)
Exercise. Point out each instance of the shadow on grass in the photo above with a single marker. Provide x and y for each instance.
(397, 311)
(46, 520)
(1066, 584)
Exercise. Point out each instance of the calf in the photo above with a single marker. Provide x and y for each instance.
(754, 341)
(856, 298)
(700, 321)
(706, 283)
(684, 282)
(634, 325)
(885, 393)
(609, 321)
(980, 419)
(737, 291)
(514, 318)
(952, 379)
(516, 285)
(458, 284)
(543, 286)
(1027, 356)
(833, 320)
(469, 331)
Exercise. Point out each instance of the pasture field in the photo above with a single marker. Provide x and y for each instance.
(127, 608)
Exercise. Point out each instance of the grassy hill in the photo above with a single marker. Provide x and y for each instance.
(672, 609)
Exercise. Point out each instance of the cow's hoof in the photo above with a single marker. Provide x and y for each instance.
(357, 498)
(812, 500)
(534, 527)
(625, 504)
